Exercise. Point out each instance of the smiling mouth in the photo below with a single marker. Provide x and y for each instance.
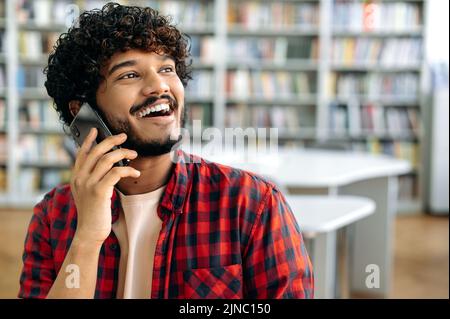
(158, 113)
(160, 109)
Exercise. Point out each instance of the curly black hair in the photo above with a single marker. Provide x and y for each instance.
(73, 70)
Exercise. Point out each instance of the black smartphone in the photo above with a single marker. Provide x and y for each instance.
(86, 119)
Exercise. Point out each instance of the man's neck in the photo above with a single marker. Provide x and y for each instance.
(155, 172)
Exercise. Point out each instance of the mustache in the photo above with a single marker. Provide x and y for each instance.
(152, 99)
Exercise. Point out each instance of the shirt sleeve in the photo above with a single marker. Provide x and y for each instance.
(276, 263)
(38, 273)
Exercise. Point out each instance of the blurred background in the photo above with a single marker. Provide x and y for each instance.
(347, 75)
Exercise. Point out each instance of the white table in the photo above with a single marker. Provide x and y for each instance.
(319, 217)
(338, 173)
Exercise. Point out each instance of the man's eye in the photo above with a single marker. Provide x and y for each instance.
(168, 69)
(128, 76)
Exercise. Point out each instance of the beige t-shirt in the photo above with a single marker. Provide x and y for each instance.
(137, 231)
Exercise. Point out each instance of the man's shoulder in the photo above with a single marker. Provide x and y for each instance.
(227, 176)
(58, 199)
(59, 191)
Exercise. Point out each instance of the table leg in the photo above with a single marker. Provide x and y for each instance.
(324, 264)
(372, 237)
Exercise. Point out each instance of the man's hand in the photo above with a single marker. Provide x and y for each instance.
(92, 184)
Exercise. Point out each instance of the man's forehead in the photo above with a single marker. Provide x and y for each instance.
(136, 55)
(160, 55)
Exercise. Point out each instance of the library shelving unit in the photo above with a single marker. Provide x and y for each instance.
(375, 79)
(346, 72)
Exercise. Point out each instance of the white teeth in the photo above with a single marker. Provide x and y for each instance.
(160, 107)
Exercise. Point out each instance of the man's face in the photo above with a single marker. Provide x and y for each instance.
(135, 83)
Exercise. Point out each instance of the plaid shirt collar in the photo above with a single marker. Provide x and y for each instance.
(175, 193)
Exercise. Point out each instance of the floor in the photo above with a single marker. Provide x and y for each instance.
(421, 255)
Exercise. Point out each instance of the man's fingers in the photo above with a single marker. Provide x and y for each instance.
(115, 174)
(101, 149)
(108, 160)
(85, 147)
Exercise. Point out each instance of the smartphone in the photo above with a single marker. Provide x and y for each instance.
(86, 119)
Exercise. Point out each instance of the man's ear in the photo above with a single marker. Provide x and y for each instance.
(74, 107)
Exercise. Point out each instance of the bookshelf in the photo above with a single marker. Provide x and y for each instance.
(339, 71)
(375, 79)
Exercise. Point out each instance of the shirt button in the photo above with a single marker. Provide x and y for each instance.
(113, 246)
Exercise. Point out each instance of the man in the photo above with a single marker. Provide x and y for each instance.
(153, 229)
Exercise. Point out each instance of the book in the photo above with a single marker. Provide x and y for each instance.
(33, 180)
(402, 85)
(244, 84)
(201, 85)
(276, 50)
(254, 15)
(30, 77)
(186, 14)
(38, 114)
(397, 52)
(43, 149)
(2, 114)
(377, 16)
(2, 77)
(42, 12)
(236, 115)
(354, 117)
(200, 112)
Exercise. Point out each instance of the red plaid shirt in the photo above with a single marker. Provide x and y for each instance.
(226, 233)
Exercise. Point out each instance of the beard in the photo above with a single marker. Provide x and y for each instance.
(145, 147)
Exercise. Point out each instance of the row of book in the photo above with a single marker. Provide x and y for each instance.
(32, 180)
(2, 40)
(46, 12)
(186, 14)
(34, 44)
(42, 149)
(402, 150)
(2, 77)
(374, 84)
(257, 14)
(278, 49)
(385, 52)
(266, 84)
(203, 48)
(252, 49)
(30, 77)
(287, 119)
(38, 114)
(3, 115)
(201, 85)
(199, 112)
(355, 119)
(373, 15)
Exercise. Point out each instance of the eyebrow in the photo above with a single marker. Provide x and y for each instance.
(134, 62)
(122, 65)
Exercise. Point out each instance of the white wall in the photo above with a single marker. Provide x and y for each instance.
(437, 53)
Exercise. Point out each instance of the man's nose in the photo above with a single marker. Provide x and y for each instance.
(155, 85)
